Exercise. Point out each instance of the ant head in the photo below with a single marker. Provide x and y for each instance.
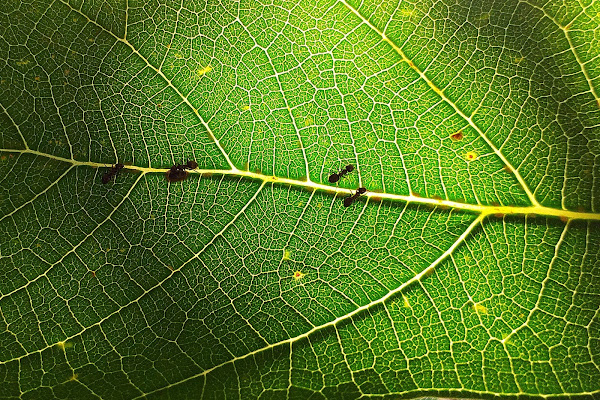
(361, 190)
(192, 164)
(349, 168)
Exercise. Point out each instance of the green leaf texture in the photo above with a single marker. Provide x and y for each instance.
(468, 269)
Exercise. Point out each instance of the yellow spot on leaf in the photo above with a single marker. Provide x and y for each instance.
(519, 59)
(64, 345)
(121, 250)
(407, 12)
(471, 156)
(22, 62)
(286, 254)
(479, 309)
(178, 56)
(202, 71)
(309, 121)
(37, 78)
(506, 338)
(406, 302)
(298, 275)
(245, 108)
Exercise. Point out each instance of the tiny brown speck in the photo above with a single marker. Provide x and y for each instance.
(457, 136)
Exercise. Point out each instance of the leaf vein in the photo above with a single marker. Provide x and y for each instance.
(440, 93)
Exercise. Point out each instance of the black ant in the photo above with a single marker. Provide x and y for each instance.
(112, 172)
(333, 178)
(178, 172)
(349, 200)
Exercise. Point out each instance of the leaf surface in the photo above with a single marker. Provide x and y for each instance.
(469, 268)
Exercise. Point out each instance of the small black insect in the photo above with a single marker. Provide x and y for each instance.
(112, 172)
(349, 200)
(178, 172)
(333, 178)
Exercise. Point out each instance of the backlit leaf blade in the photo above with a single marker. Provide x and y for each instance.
(470, 267)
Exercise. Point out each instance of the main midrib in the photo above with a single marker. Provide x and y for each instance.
(483, 209)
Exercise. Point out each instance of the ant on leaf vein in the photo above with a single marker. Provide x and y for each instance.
(349, 200)
(178, 172)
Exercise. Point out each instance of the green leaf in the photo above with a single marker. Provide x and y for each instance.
(469, 268)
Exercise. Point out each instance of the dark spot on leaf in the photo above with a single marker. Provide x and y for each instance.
(457, 136)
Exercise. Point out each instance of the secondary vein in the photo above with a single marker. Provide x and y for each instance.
(440, 93)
